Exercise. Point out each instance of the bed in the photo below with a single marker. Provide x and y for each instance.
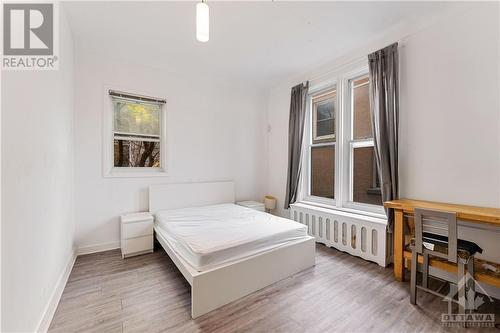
(223, 250)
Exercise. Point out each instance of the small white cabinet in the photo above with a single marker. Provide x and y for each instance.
(253, 205)
(136, 234)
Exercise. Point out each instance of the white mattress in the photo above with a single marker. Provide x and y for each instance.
(209, 236)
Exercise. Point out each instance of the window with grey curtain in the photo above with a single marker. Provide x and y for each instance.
(384, 109)
(295, 135)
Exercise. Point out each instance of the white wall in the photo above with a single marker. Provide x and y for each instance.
(37, 187)
(216, 131)
(449, 114)
(450, 111)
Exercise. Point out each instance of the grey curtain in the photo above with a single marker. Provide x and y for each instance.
(384, 109)
(295, 134)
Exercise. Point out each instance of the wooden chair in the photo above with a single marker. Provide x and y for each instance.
(436, 235)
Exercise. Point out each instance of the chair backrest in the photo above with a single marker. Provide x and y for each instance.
(440, 223)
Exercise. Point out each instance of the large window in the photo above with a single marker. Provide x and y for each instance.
(340, 166)
(138, 134)
(364, 174)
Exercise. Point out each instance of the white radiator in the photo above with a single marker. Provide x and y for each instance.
(359, 235)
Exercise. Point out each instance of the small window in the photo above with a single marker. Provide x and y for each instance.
(324, 117)
(137, 133)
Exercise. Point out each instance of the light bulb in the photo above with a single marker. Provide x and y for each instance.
(202, 22)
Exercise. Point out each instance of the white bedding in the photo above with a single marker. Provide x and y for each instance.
(209, 236)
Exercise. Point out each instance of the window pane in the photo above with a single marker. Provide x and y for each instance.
(366, 185)
(324, 117)
(325, 124)
(325, 111)
(136, 118)
(323, 171)
(362, 128)
(131, 153)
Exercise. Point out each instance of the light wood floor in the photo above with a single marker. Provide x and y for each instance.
(147, 294)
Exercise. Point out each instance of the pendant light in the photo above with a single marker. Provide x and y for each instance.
(202, 22)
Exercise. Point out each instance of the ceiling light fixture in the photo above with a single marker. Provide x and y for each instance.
(202, 22)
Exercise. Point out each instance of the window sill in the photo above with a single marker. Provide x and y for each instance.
(127, 173)
(373, 217)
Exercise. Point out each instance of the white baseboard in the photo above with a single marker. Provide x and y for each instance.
(87, 249)
(51, 307)
(55, 297)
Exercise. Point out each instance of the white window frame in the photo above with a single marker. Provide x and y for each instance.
(344, 145)
(309, 139)
(109, 170)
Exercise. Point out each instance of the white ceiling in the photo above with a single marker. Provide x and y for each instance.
(259, 42)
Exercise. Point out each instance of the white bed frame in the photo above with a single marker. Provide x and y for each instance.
(213, 288)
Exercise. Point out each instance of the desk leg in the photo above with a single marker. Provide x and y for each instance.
(398, 245)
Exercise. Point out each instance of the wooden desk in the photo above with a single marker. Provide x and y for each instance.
(406, 206)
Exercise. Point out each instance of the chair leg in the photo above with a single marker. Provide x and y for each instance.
(413, 278)
(453, 291)
(461, 286)
(425, 270)
(471, 285)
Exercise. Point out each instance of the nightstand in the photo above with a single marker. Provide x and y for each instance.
(253, 205)
(136, 234)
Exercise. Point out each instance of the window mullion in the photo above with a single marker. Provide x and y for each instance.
(339, 156)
